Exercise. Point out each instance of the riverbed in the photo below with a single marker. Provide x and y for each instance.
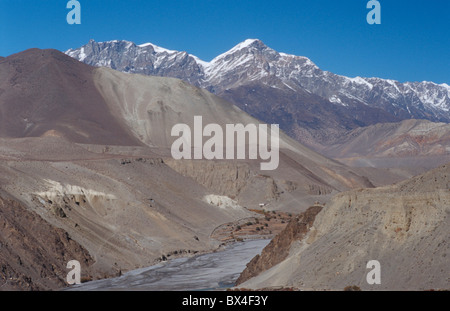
(212, 271)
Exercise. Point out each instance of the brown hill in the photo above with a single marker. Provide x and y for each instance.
(44, 92)
(405, 227)
(414, 143)
(34, 254)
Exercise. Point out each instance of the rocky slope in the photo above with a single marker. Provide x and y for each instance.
(45, 93)
(405, 227)
(418, 143)
(310, 104)
(150, 106)
(88, 151)
(278, 248)
(33, 253)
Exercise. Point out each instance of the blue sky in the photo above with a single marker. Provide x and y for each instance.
(411, 44)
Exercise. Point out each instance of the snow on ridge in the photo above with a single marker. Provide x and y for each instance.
(289, 67)
(445, 85)
(160, 50)
(129, 43)
(236, 48)
(157, 49)
(145, 45)
(336, 100)
(243, 45)
(359, 80)
(82, 56)
(394, 84)
(307, 62)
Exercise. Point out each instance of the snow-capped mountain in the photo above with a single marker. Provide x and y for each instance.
(251, 66)
(252, 60)
(147, 59)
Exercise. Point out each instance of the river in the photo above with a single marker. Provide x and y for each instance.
(212, 271)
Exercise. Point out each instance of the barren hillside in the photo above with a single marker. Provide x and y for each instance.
(410, 143)
(91, 157)
(405, 227)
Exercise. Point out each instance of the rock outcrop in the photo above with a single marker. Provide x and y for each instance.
(405, 227)
(278, 248)
(410, 143)
(33, 253)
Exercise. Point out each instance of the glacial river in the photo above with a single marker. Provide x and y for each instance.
(213, 271)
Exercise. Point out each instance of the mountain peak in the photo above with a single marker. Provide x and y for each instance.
(251, 61)
(247, 44)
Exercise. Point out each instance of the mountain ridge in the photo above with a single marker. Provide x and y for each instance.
(312, 105)
(257, 48)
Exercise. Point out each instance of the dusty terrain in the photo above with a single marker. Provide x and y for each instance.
(86, 173)
(407, 144)
(264, 226)
(127, 212)
(86, 151)
(405, 227)
(45, 93)
(33, 254)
